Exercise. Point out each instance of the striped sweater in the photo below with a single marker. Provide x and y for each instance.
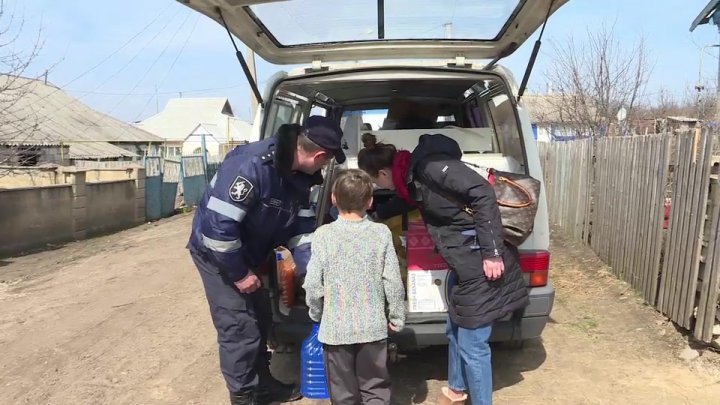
(353, 272)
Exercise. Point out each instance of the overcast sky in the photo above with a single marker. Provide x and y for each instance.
(141, 44)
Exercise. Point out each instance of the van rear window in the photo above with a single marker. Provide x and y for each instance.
(302, 22)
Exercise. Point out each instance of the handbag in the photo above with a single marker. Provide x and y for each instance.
(517, 197)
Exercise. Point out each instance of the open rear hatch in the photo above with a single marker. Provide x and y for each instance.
(306, 31)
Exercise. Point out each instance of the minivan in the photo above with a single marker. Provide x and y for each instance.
(367, 64)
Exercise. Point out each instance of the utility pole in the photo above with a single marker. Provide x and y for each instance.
(711, 15)
(448, 30)
(253, 73)
(700, 87)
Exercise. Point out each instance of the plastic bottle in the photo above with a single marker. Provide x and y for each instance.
(286, 276)
(313, 379)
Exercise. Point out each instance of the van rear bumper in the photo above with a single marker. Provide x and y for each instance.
(429, 329)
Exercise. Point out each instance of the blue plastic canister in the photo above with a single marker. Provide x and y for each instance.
(313, 379)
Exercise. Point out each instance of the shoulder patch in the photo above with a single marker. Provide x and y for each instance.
(240, 189)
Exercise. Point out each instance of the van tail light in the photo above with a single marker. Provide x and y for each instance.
(535, 264)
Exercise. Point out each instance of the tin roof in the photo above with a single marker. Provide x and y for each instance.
(181, 117)
(97, 150)
(35, 113)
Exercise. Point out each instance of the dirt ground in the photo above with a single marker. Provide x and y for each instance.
(122, 320)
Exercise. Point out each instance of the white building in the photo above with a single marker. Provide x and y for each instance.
(184, 122)
(548, 122)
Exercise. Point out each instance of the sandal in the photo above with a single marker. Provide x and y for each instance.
(446, 399)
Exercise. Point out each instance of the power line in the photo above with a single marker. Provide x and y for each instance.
(48, 115)
(128, 63)
(145, 28)
(147, 71)
(172, 65)
(167, 92)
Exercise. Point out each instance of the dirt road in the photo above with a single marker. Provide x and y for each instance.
(122, 320)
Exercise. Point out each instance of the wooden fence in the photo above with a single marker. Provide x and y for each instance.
(630, 179)
(611, 194)
(568, 187)
(678, 282)
(709, 276)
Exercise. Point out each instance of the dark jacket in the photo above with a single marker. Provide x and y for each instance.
(441, 183)
(250, 207)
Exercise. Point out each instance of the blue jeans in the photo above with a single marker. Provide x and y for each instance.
(469, 362)
(469, 358)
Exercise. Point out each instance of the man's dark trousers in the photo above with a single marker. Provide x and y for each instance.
(242, 322)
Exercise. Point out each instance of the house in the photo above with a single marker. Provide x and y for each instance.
(679, 123)
(548, 122)
(41, 124)
(187, 123)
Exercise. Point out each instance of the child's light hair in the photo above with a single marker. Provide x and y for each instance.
(353, 190)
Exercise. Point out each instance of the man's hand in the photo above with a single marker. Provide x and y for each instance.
(249, 284)
(393, 327)
(494, 268)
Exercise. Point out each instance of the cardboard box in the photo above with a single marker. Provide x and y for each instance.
(427, 272)
(427, 290)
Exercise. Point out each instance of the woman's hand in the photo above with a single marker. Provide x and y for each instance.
(494, 268)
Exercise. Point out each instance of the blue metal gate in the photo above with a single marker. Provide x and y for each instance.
(170, 181)
(153, 188)
(194, 179)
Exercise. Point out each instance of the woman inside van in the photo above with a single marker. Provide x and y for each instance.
(461, 212)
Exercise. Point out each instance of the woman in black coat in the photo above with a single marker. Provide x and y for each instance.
(489, 280)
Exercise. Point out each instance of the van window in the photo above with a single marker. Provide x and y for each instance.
(286, 108)
(477, 112)
(319, 110)
(282, 115)
(505, 125)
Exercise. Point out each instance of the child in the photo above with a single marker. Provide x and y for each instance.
(353, 271)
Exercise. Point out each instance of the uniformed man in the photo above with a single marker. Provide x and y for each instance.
(249, 208)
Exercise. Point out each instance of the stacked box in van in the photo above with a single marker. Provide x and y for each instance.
(427, 271)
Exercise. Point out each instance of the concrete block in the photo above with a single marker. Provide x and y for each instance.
(79, 189)
(140, 183)
(40, 216)
(79, 223)
(79, 178)
(79, 214)
(138, 173)
(80, 201)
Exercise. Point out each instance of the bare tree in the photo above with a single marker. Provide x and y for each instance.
(667, 105)
(700, 101)
(18, 125)
(594, 78)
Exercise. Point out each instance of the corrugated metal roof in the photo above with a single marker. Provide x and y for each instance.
(682, 119)
(36, 113)
(97, 150)
(181, 116)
